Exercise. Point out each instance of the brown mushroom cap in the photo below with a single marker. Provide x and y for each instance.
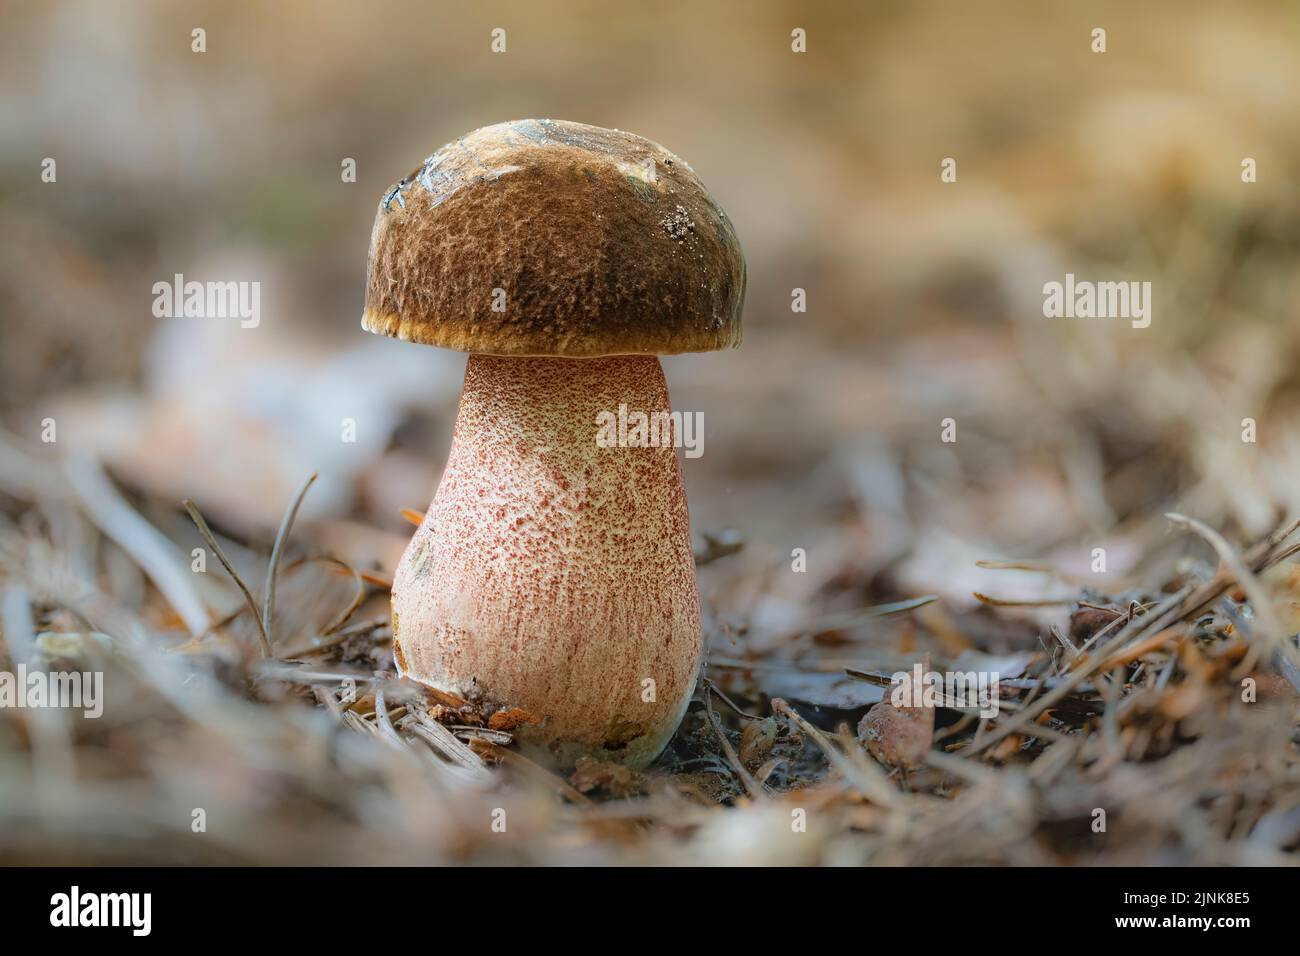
(602, 242)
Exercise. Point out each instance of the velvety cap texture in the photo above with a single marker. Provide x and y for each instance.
(547, 238)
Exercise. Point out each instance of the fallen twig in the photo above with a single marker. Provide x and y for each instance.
(211, 541)
(286, 525)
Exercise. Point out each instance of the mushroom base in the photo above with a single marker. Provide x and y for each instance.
(553, 571)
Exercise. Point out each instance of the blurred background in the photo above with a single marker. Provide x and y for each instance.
(822, 432)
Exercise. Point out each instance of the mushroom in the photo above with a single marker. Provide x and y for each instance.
(553, 572)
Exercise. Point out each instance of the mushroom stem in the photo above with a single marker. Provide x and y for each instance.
(552, 572)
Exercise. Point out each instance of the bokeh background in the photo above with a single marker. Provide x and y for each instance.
(822, 432)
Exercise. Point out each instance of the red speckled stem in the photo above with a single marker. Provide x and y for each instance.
(551, 573)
